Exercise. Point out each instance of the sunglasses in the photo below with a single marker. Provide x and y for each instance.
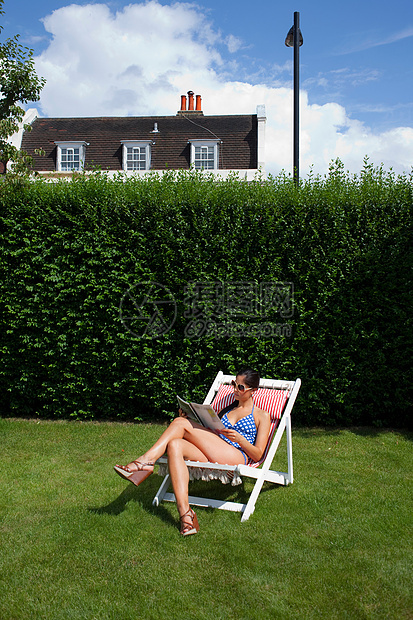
(240, 387)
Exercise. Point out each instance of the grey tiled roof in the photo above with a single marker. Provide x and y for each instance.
(238, 134)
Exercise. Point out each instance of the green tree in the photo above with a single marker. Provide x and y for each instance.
(19, 84)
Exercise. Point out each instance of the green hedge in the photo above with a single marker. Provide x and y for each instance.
(70, 251)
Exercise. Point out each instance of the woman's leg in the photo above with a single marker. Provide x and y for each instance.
(178, 450)
(212, 448)
(176, 430)
(184, 439)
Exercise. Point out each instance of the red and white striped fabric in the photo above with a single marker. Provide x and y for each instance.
(270, 400)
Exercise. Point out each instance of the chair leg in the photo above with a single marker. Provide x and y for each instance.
(250, 506)
(161, 491)
(289, 451)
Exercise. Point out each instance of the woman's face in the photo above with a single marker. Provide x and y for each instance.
(241, 389)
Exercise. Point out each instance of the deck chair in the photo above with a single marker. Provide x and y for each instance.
(276, 397)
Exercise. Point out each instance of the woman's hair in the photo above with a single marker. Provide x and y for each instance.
(252, 377)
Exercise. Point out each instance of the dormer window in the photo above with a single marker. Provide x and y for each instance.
(70, 156)
(136, 154)
(204, 154)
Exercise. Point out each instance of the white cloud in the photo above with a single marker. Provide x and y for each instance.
(233, 43)
(338, 78)
(139, 60)
(369, 42)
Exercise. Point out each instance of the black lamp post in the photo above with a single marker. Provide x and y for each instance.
(294, 39)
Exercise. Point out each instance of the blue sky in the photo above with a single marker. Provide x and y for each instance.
(116, 58)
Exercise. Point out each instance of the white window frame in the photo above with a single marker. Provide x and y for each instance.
(142, 145)
(72, 145)
(204, 144)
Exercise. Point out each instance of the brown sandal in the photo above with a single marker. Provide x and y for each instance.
(136, 476)
(189, 523)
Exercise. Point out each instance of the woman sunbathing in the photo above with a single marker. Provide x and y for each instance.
(243, 439)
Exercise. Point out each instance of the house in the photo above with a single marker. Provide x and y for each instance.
(135, 145)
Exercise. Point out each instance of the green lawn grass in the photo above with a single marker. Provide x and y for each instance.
(78, 542)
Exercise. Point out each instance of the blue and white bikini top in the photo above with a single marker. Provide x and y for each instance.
(245, 426)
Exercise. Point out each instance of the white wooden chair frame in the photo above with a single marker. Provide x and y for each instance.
(260, 474)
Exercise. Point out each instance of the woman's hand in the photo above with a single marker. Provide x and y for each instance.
(232, 435)
(182, 414)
